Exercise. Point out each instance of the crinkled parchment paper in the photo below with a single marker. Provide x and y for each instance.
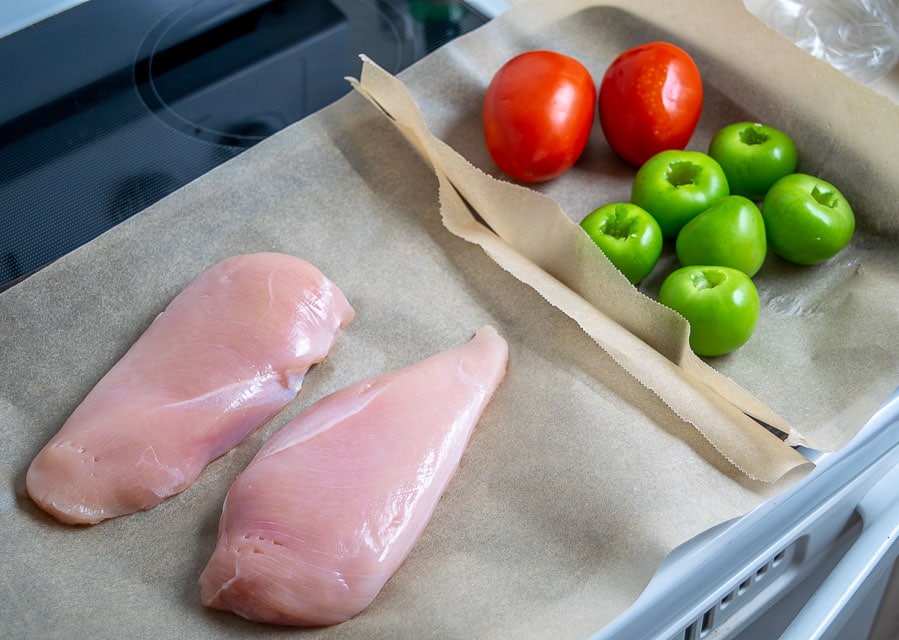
(596, 456)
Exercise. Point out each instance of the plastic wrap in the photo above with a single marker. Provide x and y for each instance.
(858, 37)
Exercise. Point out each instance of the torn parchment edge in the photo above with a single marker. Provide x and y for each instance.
(697, 393)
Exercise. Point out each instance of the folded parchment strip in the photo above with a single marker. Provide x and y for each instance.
(553, 256)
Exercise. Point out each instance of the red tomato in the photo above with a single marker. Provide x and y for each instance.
(537, 116)
(649, 101)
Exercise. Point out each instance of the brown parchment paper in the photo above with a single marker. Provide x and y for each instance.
(579, 478)
(555, 245)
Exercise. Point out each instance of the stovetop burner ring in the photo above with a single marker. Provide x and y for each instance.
(233, 72)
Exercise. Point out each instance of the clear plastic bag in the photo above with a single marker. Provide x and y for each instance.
(858, 37)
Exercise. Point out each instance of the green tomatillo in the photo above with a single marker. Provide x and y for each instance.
(730, 233)
(628, 235)
(753, 156)
(675, 186)
(807, 219)
(720, 303)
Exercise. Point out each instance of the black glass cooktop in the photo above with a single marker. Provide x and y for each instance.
(113, 104)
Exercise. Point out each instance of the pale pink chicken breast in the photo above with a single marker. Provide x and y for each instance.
(227, 354)
(334, 502)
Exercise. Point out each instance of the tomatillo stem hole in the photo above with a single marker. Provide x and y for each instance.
(707, 278)
(682, 172)
(824, 197)
(751, 135)
(620, 225)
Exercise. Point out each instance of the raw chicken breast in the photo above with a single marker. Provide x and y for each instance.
(334, 502)
(228, 353)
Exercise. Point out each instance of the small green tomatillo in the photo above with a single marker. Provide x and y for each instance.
(721, 304)
(753, 156)
(628, 235)
(730, 233)
(807, 219)
(675, 186)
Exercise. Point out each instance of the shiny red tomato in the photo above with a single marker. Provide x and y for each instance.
(537, 115)
(650, 99)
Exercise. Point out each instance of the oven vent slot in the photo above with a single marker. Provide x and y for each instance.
(743, 591)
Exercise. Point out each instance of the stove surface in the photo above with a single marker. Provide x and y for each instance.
(111, 105)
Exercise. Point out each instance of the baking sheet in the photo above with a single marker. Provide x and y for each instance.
(579, 479)
(842, 311)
